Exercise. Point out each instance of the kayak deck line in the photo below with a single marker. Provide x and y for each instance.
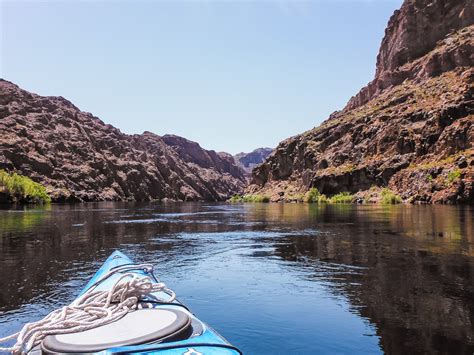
(123, 308)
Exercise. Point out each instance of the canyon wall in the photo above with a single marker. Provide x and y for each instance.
(80, 158)
(410, 129)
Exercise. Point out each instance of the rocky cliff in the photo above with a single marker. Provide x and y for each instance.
(80, 158)
(248, 161)
(410, 129)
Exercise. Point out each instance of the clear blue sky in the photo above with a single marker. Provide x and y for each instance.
(231, 75)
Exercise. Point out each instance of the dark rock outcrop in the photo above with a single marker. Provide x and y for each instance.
(408, 129)
(248, 161)
(413, 32)
(80, 158)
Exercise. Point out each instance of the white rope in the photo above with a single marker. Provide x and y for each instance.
(93, 309)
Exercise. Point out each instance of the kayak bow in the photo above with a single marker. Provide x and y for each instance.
(155, 327)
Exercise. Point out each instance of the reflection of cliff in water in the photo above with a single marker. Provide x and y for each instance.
(51, 245)
(414, 275)
(408, 269)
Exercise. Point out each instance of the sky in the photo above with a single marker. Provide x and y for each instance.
(231, 75)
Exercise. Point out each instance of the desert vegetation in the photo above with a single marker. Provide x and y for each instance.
(19, 188)
(249, 198)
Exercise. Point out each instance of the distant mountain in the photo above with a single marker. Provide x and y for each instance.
(80, 158)
(411, 129)
(247, 161)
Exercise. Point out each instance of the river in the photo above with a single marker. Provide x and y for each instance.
(271, 278)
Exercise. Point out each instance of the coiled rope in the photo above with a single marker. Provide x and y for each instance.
(92, 310)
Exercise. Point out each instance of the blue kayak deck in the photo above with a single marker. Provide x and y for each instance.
(208, 342)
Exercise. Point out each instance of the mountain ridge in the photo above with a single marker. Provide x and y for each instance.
(78, 157)
(248, 161)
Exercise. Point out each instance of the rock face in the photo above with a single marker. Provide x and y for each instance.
(80, 158)
(410, 129)
(248, 161)
(412, 32)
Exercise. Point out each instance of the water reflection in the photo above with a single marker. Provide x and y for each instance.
(271, 277)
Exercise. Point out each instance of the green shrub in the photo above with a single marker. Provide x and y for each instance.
(342, 197)
(322, 199)
(390, 197)
(22, 188)
(235, 199)
(312, 196)
(259, 198)
(249, 198)
(454, 175)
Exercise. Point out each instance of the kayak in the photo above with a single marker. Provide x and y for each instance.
(155, 327)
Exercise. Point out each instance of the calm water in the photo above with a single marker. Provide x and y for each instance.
(271, 278)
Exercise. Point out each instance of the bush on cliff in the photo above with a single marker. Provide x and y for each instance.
(18, 188)
(389, 197)
(453, 176)
(314, 196)
(249, 198)
(342, 197)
